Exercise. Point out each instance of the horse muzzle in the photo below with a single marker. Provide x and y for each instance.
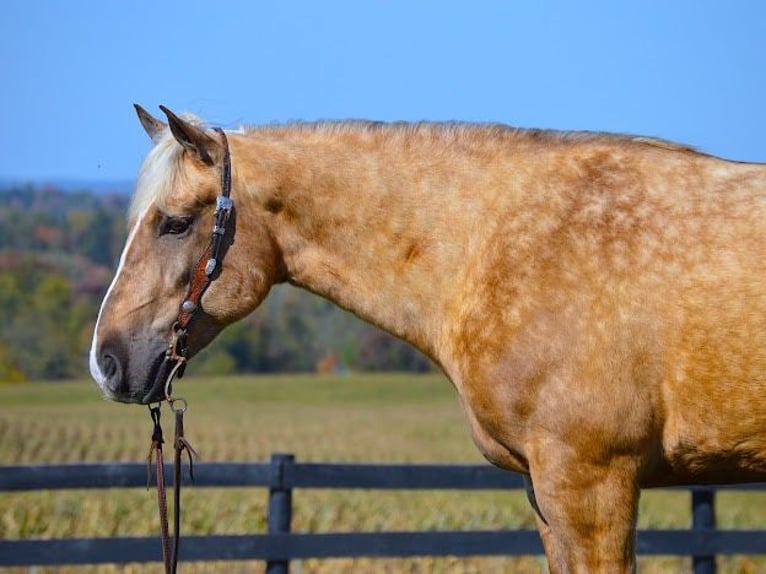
(135, 377)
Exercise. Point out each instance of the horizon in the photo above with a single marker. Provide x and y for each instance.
(70, 185)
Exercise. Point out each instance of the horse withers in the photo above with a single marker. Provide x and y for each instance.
(598, 301)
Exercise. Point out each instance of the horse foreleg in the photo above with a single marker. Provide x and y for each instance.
(553, 551)
(587, 516)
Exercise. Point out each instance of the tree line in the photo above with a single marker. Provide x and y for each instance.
(57, 254)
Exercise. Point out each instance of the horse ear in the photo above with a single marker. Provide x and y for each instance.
(193, 138)
(152, 125)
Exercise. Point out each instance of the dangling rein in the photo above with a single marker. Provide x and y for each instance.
(174, 365)
(180, 444)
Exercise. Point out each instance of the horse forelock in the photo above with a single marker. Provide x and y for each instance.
(159, 171)
(157, 174)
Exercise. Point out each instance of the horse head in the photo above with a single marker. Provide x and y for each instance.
(170, 220)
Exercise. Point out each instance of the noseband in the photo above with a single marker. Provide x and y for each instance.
(203, 275)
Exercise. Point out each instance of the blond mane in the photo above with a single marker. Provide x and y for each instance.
(457, 130)
(161, 167)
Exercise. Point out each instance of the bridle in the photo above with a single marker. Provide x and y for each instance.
(174, 364)
(202, 277)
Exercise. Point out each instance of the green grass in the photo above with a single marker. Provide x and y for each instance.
(383, 418)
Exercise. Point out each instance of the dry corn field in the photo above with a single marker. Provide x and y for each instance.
(357, 418)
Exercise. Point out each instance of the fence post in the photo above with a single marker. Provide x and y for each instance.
(703, 518)
(280, 508)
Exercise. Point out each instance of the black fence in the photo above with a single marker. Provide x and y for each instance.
(277, 547)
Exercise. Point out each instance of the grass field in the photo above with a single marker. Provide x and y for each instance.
(370, 418)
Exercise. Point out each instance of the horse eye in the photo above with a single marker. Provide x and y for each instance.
(176, 225)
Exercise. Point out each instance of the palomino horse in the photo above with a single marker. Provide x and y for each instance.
(598, 301)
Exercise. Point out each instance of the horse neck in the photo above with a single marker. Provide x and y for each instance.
(369, 223)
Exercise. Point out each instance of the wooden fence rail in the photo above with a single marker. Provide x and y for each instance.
(282, 475)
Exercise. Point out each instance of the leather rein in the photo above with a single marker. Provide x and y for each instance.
(174, 365)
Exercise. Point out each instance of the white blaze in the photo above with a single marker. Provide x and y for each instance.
(95, 370)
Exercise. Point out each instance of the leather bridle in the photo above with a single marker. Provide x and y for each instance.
(175, 360)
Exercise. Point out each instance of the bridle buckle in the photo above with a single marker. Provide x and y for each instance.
(223, 203)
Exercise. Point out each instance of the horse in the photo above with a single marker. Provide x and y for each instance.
(597, 300)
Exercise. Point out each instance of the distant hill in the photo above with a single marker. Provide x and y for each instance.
(70, 185)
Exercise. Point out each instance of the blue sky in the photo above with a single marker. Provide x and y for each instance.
(692, 71)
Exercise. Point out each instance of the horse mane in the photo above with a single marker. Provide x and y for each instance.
(457, 131)
(161, 168)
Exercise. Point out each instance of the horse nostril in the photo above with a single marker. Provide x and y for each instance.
(111, 369)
